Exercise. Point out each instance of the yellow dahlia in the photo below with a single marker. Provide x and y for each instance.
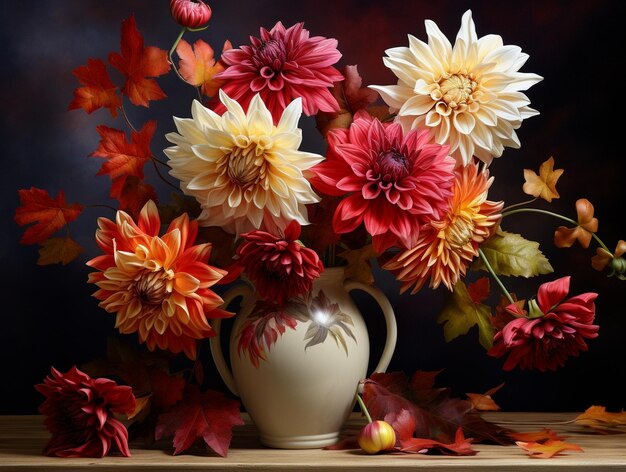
(245, 172)
(158, 286)
(446, 247)
(468, 95)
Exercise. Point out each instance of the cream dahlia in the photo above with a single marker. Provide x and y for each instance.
(468, 95)
(245, 172)
(285, 63)
(158, 286)
(395, 183)
(447, 246)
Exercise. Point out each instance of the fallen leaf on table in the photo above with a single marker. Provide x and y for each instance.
(603, 421)
(542, 436)
(547, 449)
(460, 446)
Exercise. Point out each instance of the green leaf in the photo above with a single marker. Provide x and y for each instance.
(510, 254)
(460, 313)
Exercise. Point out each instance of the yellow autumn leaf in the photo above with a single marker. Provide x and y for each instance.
(460, 313)
(359, 267)
(547, 449)
(58, 251)
(544, 184)
(598, 418)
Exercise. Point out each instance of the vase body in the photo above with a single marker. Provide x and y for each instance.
(297, 369)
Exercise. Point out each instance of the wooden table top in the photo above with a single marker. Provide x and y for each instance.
(22, 439)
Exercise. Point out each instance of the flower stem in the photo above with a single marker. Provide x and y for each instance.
(363, 408)
(510, 207)
(170, 54)
(555, 215)
(495, 277)
(163, 163)
(130, 125)
(101, 205)
(156, 167)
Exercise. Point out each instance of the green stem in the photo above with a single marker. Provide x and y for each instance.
(170, 54)
(510, 207)
(495, 277)
(555, 215)
(363, 408)
(162, 177)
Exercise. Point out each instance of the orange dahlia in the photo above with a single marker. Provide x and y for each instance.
(158, 286)
(447, 246)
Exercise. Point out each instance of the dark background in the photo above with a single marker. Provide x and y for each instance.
(48, 316)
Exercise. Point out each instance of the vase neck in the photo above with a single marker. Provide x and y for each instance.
(331, 276)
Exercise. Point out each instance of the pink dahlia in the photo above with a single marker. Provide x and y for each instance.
(395, 183)
(79, 414)
(279, 267)
(282, 65)
(190, 13)
(553, 330)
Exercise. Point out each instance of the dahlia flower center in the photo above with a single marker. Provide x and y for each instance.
(269, 57)
(393, 165)
(153, 287)
(460, 231)
(246, 166)
(457, 89)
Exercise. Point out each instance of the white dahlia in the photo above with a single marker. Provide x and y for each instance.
(245, 172)
(468, 95)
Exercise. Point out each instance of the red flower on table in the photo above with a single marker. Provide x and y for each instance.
(79, 413)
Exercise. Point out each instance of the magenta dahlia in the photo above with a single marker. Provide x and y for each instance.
(285, 63)
(79, 414)
(553, 330)
(395, 182)
(279, 266)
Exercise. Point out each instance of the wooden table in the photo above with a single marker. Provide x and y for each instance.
(23, 437)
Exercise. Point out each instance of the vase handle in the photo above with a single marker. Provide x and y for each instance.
(216, 343)
(390, 320)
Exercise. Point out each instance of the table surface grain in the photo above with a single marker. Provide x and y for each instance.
(23, 437)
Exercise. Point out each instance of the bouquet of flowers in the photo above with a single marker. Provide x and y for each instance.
(404, 180)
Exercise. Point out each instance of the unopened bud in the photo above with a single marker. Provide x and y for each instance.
(377, 436)
(190, 13)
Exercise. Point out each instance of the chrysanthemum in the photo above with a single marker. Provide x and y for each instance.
(447, 246)
(245, 172)
(158, 286)
(469, 95)
(554, 330)
(279, 266)
(395, 183)
(283, 64)
(80, 414)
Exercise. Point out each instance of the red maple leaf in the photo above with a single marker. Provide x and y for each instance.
(434, 413)
(479, 290)
(210, 416)
(97, 91)
(124, 157)
(132, 193)
(48, 214)
(138, 63)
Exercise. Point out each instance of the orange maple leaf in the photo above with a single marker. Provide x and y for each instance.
(483, 401)
(598, 418)
(544, 184)
(49, 215)
(98, 91)
(58, 251)
(198, 66)
(547, 449)
(138, 63)
(124, 157)
(587, 225)
(542, 436)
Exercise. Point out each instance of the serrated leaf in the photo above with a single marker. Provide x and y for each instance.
(460, 313)
(510, 254)
(58, 251)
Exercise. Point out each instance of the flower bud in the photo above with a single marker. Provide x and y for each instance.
(190, 13)
(377, 436)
